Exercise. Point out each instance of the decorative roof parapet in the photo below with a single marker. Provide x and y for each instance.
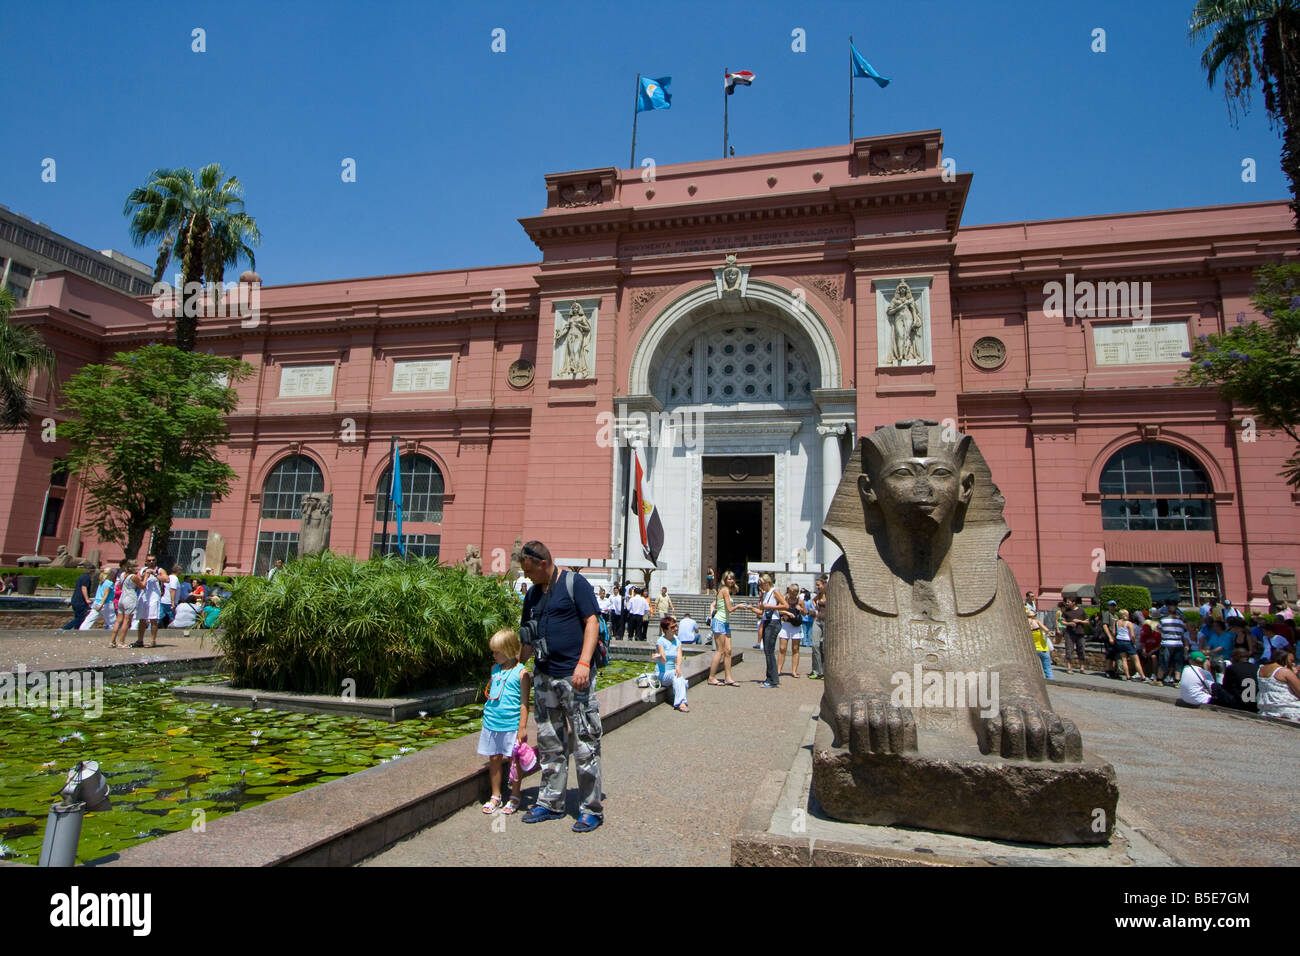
(900, 153)
(585, 187)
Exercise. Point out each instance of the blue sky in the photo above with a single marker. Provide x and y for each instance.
(452, 140)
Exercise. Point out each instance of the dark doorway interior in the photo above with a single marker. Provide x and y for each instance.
(740, 537)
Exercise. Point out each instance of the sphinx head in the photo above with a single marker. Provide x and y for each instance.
(915, 478)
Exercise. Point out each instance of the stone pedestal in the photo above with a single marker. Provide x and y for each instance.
(1055, 804)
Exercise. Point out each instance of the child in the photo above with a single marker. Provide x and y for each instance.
(505, 715)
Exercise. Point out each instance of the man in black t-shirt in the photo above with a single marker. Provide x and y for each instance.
(1072, 628)
(81, 598)
(560, 613)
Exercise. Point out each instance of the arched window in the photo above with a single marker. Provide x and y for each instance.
(422, 488)
(1155, 487)
(287, 483)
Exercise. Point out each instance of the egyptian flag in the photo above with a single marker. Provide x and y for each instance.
(739, 78)
(652, 529)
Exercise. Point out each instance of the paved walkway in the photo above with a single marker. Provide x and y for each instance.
(677, 785)
(51, 649)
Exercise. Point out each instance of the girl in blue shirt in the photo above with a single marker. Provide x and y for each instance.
(505, 715)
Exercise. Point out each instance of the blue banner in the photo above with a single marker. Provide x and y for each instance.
(654, 94)
(395, 495)
(862, 68)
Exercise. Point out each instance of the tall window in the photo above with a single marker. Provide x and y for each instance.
(273, 546)
(200, 506)
(287, 483)
(1155, 487)
(422, 488)
(416, 545)
(186, 548)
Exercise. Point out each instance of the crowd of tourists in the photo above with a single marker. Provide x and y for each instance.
(1232, 658)
(141, 599)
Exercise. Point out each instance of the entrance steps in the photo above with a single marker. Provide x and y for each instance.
(743, 623)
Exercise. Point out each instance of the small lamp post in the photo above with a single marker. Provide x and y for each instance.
(86, 789)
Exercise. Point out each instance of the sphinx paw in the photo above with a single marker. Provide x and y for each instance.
(1023, 730)
(873, 725)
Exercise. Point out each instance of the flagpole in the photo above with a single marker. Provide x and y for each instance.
(388, 507)
(631, 163)
(627, 512)
(724, 112)
(851, 88)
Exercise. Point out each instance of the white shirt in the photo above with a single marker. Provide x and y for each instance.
(616, 604)
(1194, 687)
(604, 604)
(688, 631)
(638, 605)
(185, 615)
(173, 584)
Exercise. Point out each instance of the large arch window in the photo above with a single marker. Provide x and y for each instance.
(422, 489)
(288, 481)
(1154, 486)
(728, 363)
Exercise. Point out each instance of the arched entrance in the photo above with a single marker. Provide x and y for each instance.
(756, 382)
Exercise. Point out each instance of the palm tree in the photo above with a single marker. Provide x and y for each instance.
(22, 352)
(1250, 40)
(201, 221)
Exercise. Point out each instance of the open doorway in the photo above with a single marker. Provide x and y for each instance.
(740, 537)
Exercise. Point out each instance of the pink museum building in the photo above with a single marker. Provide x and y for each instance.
(770, 309)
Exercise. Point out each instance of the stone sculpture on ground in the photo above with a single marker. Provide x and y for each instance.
(62, 559)
(473, 560)
(317, 515)
(215, 556)
(935, 712)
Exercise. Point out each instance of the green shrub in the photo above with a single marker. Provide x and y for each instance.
(392, 626)
(1128, 597)
(48, 577)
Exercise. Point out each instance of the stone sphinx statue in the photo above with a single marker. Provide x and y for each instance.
(62, 559)
(935, 713)
(317, 515)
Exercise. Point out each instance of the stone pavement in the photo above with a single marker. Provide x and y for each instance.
(51, 649)
(1207, 788)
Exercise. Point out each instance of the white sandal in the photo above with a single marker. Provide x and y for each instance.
(493, 805)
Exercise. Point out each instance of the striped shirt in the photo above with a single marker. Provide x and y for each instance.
(1173, 632)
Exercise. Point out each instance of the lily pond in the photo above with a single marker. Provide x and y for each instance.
(165, 759)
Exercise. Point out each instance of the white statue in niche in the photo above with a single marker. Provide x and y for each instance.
(573, 337)
(906, 326)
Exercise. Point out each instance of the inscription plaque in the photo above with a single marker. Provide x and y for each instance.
(304, 381)
(432, 375)
(1155, 344)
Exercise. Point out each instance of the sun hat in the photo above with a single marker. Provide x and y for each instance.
(1196, 656)
(522, 756)
(1109, 603)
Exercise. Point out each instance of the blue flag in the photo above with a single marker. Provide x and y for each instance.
(862, 68)
(654, 94)
(395, 495)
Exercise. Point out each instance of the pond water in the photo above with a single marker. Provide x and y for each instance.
(165, 760)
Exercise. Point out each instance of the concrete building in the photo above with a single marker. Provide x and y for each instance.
(748, 318)
(29, 249)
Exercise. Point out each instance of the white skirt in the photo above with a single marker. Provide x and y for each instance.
(493, 743)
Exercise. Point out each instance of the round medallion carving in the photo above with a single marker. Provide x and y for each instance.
(738, 469)
(520, 374)
(988, 352)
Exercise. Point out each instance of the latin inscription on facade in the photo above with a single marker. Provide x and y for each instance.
(433, 375)
(1155, 344)
(729, 241)
(306, 381)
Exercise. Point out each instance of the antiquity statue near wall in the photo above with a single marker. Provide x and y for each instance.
(935, 712)
(317, 516)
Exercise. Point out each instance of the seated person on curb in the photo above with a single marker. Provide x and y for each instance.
(688, 630)
(1241, 680)
(1278, 692)
(1196, 687)
(212, 612)
(668, 652)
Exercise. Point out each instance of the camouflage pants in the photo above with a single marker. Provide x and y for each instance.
(563, 713)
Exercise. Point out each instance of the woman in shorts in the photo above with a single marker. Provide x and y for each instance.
(1126, 647)
(722, 632)
(791, 630)
(126, 605)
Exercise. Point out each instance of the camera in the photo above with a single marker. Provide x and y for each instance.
(530, 633)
